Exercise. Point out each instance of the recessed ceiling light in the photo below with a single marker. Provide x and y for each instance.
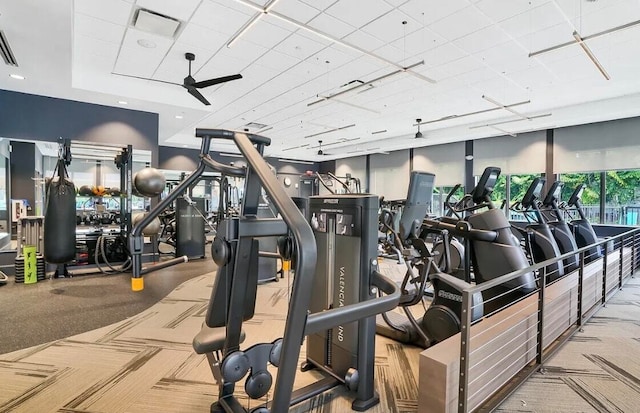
(179, 116)
(147, 43)
(19, 77)
(123, 102)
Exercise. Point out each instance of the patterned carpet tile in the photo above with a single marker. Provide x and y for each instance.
(597, 370)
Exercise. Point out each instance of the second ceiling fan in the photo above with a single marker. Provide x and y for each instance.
(190, 83)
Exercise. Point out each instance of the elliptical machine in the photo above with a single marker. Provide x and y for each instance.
(582, 230)
(493, 252)
(559, 227)
(539, 240)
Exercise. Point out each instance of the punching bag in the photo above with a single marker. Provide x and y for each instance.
(60, 218)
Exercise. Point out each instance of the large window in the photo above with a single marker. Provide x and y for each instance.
(622, 200)
(440, 194)
(591, 195)
(518, 186)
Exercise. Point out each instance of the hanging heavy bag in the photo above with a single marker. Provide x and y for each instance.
(60, 218)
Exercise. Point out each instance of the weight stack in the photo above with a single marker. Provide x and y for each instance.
(40, 268)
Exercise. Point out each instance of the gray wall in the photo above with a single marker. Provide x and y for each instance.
(181, 159)
(41, 118)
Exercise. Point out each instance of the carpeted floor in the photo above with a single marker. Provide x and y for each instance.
(598, 370)
(58, 308)
(146, 363)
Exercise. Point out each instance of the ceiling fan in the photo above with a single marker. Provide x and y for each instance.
(320, 151)
(419, 134)
(190, 83)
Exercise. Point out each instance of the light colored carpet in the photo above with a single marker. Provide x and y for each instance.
(146, 363)
(598, 369)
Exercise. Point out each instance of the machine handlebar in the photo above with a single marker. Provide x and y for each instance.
(227, 134)
(463, 229)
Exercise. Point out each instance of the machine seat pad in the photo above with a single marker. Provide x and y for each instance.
(211, 339)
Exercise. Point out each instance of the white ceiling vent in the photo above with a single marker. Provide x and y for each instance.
(156, 23)
(6, 52)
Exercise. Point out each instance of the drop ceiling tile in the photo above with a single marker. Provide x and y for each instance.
(181, 10)
(534, 20)
(443, 54)
(364, 40)
(419, 41)
(116, 11)
(223, 19)
(479, 75)
(460, 66)
(396, 3)
(499, 10)
(221, 5)
(176, 66)
(266, 34)
(391, 53)
(482, 39)
(202, 37)
(221, 65)
(319, 4)
(507, 57)
(617, 14)
(534, 78)
(574, 10)
(356, 14)
(334, 56)
(86, 47)
(331, 26)
(461, 23)
(547, 37)
(99, 29)
(389, 27)
(277, 61)
(430, 11)
(296, 10)
(572, 68)
(299, 46)
(243, 49)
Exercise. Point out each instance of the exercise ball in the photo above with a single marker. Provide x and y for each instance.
(98, 190)
(149, 182)
(85, 190)
(152, 229)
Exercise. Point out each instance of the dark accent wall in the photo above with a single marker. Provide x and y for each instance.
(327, 166)
(23, 165)
(41, 118)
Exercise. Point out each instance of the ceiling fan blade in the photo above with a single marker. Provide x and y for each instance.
(146, 78)
(198, 95)
(217, 80)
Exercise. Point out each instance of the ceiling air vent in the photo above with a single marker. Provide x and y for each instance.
(6, 52)
(156, 23)
(254, 126)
